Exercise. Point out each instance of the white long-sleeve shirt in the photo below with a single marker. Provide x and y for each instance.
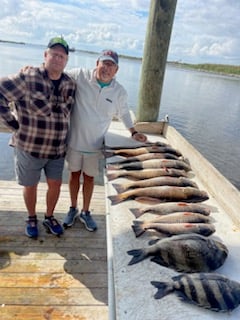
(94, 110)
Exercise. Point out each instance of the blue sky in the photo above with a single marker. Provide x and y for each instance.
(203, 31)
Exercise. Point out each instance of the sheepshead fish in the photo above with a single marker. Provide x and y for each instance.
(148, 156)
(184, 253)
(170, 207)
(161, 194)
(149, 164)
(137, 151)
(146, 173)
(208, 290)
(169, 229)
(156, 181)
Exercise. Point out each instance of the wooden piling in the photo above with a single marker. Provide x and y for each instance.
(161, 16)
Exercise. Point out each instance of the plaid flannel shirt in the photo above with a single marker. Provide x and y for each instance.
(43, 117)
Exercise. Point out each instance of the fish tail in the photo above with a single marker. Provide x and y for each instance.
(108, 154)
(138, 228)
(138, 255)
(112, 176)
(118, 187)
(115, 199)
(137, 212)
(164, 289)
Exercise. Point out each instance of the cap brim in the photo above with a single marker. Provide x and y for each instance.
(107, 58)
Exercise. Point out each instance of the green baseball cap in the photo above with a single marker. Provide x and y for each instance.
(59, 41)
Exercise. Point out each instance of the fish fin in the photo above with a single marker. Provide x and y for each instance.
(108, 154)
(164, 289)
(115, 199)
(138, 255)
(138, 228)
(118, 187)
(160, 261)
(136, 211)
(153, 241)
(148, 200)
(111, 176)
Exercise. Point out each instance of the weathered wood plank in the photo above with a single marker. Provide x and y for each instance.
(52, 277)
(53, 312)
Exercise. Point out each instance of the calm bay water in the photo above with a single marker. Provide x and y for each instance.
(203, 107)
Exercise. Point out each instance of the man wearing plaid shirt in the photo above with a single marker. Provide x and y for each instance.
(42, 98)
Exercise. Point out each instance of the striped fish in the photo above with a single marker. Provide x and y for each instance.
(208, 290)
(184, 253)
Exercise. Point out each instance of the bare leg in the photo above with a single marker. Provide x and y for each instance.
(30, 198)
(74, 186)
(88, 186)
(54, 187)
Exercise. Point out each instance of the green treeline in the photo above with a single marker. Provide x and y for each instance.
(217, 68)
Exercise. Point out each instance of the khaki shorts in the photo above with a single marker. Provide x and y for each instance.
(87, 162)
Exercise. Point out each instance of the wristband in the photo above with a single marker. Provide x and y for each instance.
(134, 132)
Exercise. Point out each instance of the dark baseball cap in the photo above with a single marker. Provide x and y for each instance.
(109, 55)
(59, 41)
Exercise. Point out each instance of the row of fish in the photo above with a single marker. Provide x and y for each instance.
(159, 175)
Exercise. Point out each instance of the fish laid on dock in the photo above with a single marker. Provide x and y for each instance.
(208, 290)
(140, 145)
(146, 173)
(184, 253)
(161, 194)
(170, 207)
(149, 156)
(169, 229)
(137, 151)
(151, 164)
(176, 217)
(156, 181)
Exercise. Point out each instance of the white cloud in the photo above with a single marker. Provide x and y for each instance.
(203, 31)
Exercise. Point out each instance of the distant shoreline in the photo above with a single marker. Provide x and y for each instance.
(231, 70)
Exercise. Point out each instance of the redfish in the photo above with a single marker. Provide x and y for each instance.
(170, 207)
(211, 291)
(148, 156)
(137, 151)
(146, 173)
(156, 181)
(176, 217)
(150, 164)
(184, 253)
(161, 194)
(169, 229)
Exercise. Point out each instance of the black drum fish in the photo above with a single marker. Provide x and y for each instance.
(184, 253)
(208, 290)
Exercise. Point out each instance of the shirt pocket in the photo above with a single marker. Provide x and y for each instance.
(41, 104)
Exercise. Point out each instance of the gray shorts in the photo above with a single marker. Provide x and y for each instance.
(87, 162)
(28, 168)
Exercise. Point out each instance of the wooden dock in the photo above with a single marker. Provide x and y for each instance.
(51, 278)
